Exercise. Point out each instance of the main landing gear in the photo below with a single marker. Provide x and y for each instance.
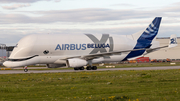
(25, 69)
(91, 68)
(88, 68)
(79, 68)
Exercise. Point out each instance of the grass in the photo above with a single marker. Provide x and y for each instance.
(150, 85)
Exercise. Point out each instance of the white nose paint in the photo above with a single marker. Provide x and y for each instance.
(11, 64)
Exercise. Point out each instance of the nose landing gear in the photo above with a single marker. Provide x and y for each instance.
(25, 69)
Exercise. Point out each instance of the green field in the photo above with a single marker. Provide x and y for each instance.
(152, 85)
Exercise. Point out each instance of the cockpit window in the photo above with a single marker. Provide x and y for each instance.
(22, 59)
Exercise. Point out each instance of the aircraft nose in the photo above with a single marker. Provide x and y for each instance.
(7, 64)
(11, 64)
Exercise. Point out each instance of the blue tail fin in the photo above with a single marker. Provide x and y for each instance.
(145, 39)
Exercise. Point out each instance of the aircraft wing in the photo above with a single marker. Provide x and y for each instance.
(93, 56)
(154, 49)
(172, 43)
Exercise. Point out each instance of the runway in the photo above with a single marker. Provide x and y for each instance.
(104, 69)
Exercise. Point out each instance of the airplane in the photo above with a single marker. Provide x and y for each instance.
(77, 51)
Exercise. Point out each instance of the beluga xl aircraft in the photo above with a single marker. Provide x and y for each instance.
(77, 51)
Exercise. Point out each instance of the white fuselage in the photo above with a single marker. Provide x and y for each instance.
(53, 49)
(81, 50)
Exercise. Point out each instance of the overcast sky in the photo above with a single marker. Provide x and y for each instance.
(19, 18)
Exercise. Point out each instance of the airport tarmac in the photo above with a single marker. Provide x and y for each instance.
(104, 69)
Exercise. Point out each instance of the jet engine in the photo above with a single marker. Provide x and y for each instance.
(76, 62)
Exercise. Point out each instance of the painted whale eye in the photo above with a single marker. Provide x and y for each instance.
(46, 52)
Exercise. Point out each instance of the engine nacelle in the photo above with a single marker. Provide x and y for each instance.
(76, 62)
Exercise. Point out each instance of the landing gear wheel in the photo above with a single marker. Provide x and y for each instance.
(81, 68)
(88, 67)
(94, 68)
(25, 70)
(76, 68)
